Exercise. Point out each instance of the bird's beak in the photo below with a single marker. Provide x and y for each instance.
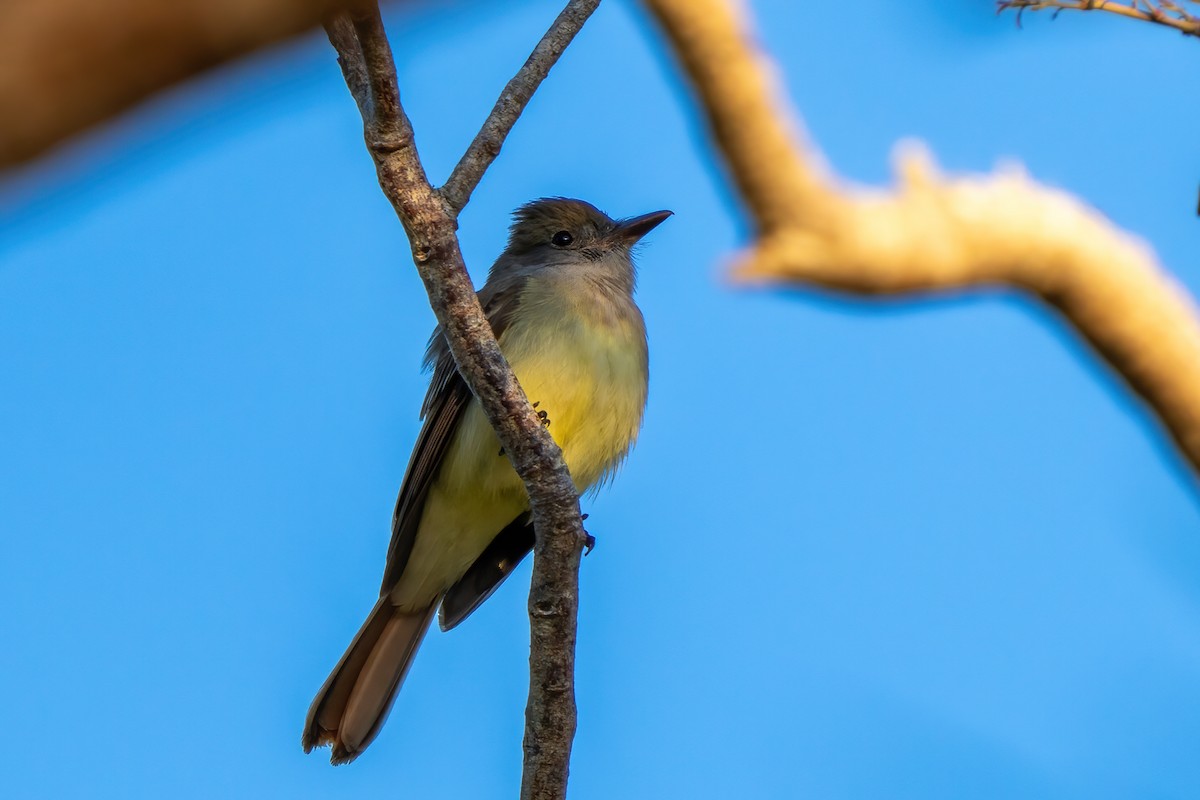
(635, 228)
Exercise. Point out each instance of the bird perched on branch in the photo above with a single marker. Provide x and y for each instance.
(560, 301)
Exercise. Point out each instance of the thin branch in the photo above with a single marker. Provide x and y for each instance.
(511, 103)
(1166, 13)
(344, 38)
(931, 233)
(550, 719)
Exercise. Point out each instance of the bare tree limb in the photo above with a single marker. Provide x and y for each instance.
(344, 38)
(1163, 12)
(512, 101)
(70, 64)
(430, 221)
(933, 234)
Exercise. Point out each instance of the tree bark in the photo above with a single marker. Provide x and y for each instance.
(429, 217)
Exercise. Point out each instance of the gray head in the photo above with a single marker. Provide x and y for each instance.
(561, 233)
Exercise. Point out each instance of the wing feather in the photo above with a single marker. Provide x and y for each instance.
(497, 562)
(445, 402)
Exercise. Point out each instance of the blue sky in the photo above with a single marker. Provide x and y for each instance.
(914, 549)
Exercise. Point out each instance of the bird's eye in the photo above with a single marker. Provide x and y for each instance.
(562, 238)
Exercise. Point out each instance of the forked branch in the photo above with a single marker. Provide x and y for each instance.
(429, 217)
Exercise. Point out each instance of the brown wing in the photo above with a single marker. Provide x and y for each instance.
(487, 573)
(445, 402)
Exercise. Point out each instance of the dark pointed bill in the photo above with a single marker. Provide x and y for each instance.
(635, 228)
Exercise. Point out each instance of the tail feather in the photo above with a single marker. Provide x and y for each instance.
(352, 705)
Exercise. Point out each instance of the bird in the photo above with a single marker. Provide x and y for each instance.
(560, 300)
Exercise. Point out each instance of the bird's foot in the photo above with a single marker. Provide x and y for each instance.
(542, 415)
(589, 541)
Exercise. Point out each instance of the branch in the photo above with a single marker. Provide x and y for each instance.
(933, 234)
(70, 64)
(1163, 12)
(430, 222)
(512, 101)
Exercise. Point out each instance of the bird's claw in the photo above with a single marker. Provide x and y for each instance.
(589, 541)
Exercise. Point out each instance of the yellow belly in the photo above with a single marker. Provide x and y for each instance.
(591, 381)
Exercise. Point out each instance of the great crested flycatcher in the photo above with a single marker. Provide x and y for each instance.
(560, 301)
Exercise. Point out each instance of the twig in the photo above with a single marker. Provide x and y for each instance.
(1167, 13)
(343, 37)
(512, 101)
(932, 234)
(430, 222)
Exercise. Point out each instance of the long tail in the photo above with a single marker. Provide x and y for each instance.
(352, 705)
